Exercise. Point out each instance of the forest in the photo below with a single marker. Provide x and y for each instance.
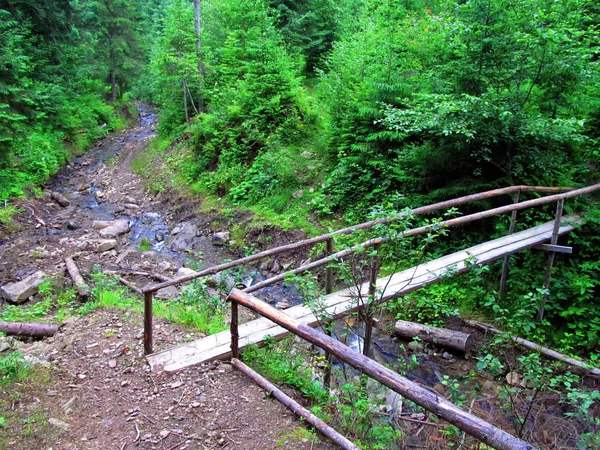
(311, 115)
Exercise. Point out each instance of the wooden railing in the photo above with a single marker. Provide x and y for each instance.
(469, 423)
(559, 195)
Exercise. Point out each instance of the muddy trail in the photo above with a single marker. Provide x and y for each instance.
(91, 387)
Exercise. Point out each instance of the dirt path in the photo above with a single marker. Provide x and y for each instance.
(93, 389)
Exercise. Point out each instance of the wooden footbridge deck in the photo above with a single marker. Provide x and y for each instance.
(343, 302)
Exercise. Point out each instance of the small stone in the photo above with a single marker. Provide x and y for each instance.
(307, 154)
(220, 238)
(164, 433)
(195, 404)
(72, 225)
(147, 437)
(513, 378)
(298, 194)
(414, 346)
(125, 383)
(131, 206)
(159, 236)
(176, 384)
(112, 364)
(106, 245)
(446, 355)
(82, 376)
(59, 424)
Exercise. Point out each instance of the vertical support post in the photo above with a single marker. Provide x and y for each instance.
(148, 322)
(553, 240)
(328, 290)
(511, 230)
(368, 313)
(329, 270)
(235, 352)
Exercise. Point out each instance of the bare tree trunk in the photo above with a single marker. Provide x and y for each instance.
(113, 86)
(28, 329)
(199, 52)
(185, 105)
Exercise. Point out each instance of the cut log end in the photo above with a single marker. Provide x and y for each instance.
(455, 340)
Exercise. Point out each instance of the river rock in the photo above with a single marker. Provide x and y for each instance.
(106, 245)
(182, 237)
(159, 236)
(116, 228)
(60, 199)
(184, 272)
(131, 206)
(100, 224)
(100, 196)
(220, 238)
(19, 292)
(72, 225)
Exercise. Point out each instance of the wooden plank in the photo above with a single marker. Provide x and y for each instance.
(338, 304)
(554, 248)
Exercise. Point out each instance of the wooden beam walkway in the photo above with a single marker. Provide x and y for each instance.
(341, 303)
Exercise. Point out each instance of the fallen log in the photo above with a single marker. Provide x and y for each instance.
(82, 287)
(155, 275)
(539, 348)
(60, 199)
(295, 406)
(444, 337)
(28, 329)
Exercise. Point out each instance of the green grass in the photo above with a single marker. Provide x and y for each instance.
(145, 245)
(13, 368)
(7, 213)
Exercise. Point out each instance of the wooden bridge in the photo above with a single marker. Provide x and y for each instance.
(341, 303)
(299, 319)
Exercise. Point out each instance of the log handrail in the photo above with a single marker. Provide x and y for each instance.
(469, 423)
(362, 226)
(563, 193)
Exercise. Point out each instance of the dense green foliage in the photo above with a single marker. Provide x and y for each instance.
(56, 65)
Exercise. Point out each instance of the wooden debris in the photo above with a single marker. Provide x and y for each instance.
(60, 199)
(539, 348)
(440, 336)
(82, 288)
(128, 284)
(28, 329)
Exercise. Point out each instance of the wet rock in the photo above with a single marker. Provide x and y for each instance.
(159, 236)
(100, 196)
(221, 238)
(513, 378)
(106, 245)
(72, 225)
(19, 292)
(298, 194)
(101, 224)
(182, 237)
(116, 228)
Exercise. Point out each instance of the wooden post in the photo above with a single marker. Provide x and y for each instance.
(367, 311)
(148, 322)
(511, 230)
(328, 290)
(471, 424)
(329, 270)
(235, 353)
(294, 406)
(553, 240)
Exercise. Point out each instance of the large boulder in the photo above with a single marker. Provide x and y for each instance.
(19, 292)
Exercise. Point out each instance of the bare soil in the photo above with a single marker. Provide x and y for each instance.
(91, 387)
(95, 382)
